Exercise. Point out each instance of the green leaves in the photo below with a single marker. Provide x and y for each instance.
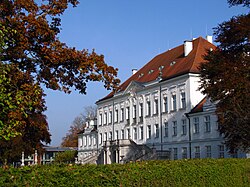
(207, 172)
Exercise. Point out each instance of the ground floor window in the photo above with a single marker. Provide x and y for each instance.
(197, 152)
(175, 153)
(221, 151)
(184, 152)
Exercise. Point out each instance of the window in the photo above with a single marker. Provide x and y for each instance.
(110, 117)
(110, 135)
(141, 112)
(100, 138)
(85, 141)
(207, 123)
(116, 115)
(148, 108)
(196, 125)
(116, 135)
(174, 106)
(221, 151)
(156, 108)
(148, 131)
(100, 119)
(122, 134)
(122, 114)
(105, 118)
(105, 136)
(174, 128)
(165, 104)
(141, 132)
(135, 133)
(166, 129)
(183, 100)
(184, 152)
(127, 112)
(208, 151)
(128, 134)
(175, 154)
(157, 132)
(197, 152)
(94, 140)
(134, 113)
(184, 127)
(80, 142)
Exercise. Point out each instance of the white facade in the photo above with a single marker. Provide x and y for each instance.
(153, 108)
(151, 113)
(88, 144)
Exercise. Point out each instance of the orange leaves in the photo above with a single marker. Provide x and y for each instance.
(37, 49)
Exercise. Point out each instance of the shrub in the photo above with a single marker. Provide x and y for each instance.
(207, 172)
(66, 157)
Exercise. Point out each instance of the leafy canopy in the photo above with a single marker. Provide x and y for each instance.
(226, 78)
(38, 50)
(77, 126)
(31, 54)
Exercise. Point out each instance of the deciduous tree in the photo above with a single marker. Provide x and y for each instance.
(38, 50)
(226, 79)
(71, 138)
(30, 44)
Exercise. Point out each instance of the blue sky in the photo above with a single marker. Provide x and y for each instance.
(129, 33)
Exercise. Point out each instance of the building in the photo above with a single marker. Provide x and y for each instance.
(47, 157)
(87, 143)
(205, 139)
(157, 109)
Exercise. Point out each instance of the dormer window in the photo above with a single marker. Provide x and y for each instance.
(172, 63)
(141, 75)
(150, 71)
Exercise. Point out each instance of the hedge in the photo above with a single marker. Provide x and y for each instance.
(200, 172)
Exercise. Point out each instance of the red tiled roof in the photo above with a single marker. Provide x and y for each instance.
(182, 64)
(199, 106)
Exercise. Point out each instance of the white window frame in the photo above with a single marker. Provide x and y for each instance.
(184, 152)
(157, 131)
(166, 129)
(184, 127)
(183, 100)
(174, 128)
(135, 133)
(165, 104)
(174, 102)
(196, 125)
(207, 123)
(149, 131)
(208, 151)
(197, 152)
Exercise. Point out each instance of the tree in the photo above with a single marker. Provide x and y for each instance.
(78, 125)
(38, 50)
(226, 78)
(22, 123)
(30, 44)
(65, 157)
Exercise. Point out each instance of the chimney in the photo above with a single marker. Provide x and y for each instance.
(134, 71)
(188, 46)
(209, 39)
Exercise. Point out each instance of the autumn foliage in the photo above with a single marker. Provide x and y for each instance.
(31, 55)
(38, 50)
(226, 78)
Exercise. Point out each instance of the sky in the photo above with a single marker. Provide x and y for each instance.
(129, 33)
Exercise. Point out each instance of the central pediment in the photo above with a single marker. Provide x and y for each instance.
(132, 88)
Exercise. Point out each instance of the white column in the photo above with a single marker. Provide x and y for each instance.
(22, 164)
(35, 157)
